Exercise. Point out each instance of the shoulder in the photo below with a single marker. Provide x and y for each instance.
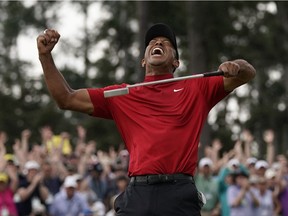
(110, 87)
(59, 196)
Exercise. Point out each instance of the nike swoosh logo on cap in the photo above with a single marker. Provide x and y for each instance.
(177, 90)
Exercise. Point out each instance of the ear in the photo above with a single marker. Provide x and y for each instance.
(176, 63)
(143, 63)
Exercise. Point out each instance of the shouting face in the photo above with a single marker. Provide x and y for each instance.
(160, 57)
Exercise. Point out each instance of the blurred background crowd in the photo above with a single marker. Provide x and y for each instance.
(59, 178)
(63, 177)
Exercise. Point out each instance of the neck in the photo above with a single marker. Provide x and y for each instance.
(152, 71)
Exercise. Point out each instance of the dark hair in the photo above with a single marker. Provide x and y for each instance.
(237, 173)
(96, 167)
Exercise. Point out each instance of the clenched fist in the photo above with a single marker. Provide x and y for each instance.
(230, 68)
(47, 41)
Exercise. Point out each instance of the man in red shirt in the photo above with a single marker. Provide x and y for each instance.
(160, 124)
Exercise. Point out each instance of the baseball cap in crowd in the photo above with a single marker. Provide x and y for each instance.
(251, 160)
(161, 30)
(205, 162)
(9, 157)
(98, 208)
(261, 164)
(31, 165)
(3, 177)
(253, 179)
(70, 181)
(124, 153)
(232, 163)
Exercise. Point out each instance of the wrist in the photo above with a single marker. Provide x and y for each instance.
(44, 56)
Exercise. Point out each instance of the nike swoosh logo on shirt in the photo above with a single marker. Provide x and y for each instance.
(177, 90)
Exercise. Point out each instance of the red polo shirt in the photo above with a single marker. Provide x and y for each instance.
(161, 124)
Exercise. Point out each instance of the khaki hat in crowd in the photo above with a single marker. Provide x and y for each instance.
(4, 177)
(270, 173)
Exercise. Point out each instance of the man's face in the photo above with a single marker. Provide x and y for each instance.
(32, 173)
(206, 170)
(70, 192)
(241, 180)
(160, 53)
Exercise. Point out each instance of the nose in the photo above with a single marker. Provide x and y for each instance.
(159, 42)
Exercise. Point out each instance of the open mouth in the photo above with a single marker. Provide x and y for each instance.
(157, 51)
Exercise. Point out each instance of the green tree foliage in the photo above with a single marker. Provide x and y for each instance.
(25, 102)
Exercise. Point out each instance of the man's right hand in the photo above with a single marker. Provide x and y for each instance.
(47, 41)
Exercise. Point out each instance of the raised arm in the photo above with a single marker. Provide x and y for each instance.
(65, 97)
(236, 73)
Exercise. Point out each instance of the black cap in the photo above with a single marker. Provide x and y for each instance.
(163, 30)
(240, 172)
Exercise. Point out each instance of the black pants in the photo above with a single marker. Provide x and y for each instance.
(179, 198)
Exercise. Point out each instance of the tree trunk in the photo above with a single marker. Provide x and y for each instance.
(143, 25)
(282, 8)
(197, 62)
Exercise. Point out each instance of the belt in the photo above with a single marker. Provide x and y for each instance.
(161, 178)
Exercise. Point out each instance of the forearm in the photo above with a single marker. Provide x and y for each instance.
(44, 192)
(83, 163)
(247, 149)
(24, 193)
(237, 201)
(2, 159)
(270, 153)
(14, 183)
(60, 169)
(21, 157)
(57, 85)
(24, 146)
(246, 72)
(255, 201)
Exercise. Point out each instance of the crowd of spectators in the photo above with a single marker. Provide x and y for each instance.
(57, 177)
(241, 183)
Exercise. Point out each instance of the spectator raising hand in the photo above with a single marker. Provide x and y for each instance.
(268, 137)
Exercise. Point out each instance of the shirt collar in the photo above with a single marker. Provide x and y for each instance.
(157, 77)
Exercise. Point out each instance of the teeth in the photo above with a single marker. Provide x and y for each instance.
(157, 51)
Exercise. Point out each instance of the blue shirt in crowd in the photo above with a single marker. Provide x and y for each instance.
(67, 207)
